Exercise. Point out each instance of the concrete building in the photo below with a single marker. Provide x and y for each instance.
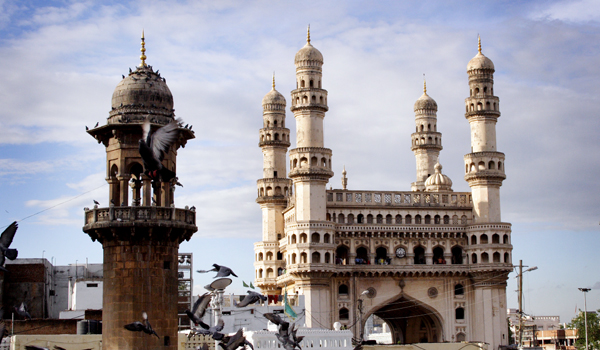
(432, 263)
(141, 229)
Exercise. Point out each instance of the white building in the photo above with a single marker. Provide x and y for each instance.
(431, 262)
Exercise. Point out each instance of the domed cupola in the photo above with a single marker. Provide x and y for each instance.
(308, 54)
(273, 100)
(480, 61)
(140, 94)
(438, 181)
(425, 103)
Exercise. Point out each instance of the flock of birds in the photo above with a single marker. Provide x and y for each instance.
(286, 334)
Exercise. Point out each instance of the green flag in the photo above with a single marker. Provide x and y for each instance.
(245, 285)
(251, 286)
(288, 309)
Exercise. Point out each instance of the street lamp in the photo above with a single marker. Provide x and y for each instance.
(585, 290)
(520, 277)
(360, 312)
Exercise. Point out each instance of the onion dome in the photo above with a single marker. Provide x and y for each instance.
(425, 102)
(438, 181)
(308, 52)
(273, 97)
(480, 61)
(142, 92)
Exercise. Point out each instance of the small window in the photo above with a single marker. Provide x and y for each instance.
(167, 265)
(460, 313)
(92, 285)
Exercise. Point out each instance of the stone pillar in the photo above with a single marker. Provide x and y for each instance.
(124, 191)
(147, 190)
(139, 277)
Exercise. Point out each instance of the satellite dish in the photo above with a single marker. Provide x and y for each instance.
(221, 283)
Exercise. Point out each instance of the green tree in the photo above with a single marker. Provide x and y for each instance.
(593, 330)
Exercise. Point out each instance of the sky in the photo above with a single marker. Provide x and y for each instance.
(61, 60)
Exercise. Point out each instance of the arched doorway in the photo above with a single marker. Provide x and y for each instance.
(410, 321)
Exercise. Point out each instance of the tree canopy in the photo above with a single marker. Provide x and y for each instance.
(593, 329)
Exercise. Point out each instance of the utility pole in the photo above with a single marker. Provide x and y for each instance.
(585, 290)
(520, 275)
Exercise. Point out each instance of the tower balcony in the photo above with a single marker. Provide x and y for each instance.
(126, 223)
(484, 166)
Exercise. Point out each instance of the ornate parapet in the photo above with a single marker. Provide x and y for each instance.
(127, 223)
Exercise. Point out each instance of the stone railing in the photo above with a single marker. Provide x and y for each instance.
(403, 199)
(313, 338)
(139, 214)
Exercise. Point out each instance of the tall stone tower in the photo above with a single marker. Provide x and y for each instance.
(426, 141)
(141, 233)
(274, 190)
(310, 171)
(484, 171)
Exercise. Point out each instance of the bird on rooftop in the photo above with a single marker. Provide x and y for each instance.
(222, 271)
(251, 298)
(5, 240)
(144, 326)
(199, 308)
(86, 128)
(153, 146)
(22, 311)
(97, 123)
(96, 202)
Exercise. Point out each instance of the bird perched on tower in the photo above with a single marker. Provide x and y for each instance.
(153, 147)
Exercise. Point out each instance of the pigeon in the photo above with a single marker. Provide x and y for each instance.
(213, 331)
(138, 326)
(235, 341)
(199, 308)
(251, 298)
(96, 202)
(123, 75)
(153, 146)
(222, 271)
(5, 240)
(97, 123)
(286, 334)
(22, 311)
(86, 128)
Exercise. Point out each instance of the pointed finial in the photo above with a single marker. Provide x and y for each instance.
(308, 35)
(424, 85)
(344, 179)
(479, 43)
(273, 80)
(143, 50)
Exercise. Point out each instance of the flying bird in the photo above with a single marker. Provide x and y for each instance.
(199, 308)
(222, 271)
(138, 326)
(5, 240)
(251, 298)
(214, 331)
(22, 311)
(286, 334)
(97, 123)
(153, 147)
(235, 341)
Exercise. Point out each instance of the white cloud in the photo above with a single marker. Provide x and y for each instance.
(570, 11)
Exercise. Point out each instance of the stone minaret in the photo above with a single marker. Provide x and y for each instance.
(489, 248)
(426, 141)
(141, 233)
(310, 172)
(274, 190)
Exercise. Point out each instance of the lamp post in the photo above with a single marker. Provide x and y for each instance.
(360, 314)
(585, 290)
(520, 277)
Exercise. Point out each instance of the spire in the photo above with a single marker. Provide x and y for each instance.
(424, 85)
(143, 50)
(344, 179)
(273, 80)
(479, 41)
(308, 35)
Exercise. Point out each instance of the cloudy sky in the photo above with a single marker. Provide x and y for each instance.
(61, 60)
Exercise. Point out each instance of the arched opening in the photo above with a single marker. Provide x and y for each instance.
(269, 273)
(381, 257)
(459, 290)
(483, 239)
(496, 257)
(380, 219)
(505, 239)
(302, 83)
(473, 240)
(414, 322)
(311, 83)
(343, 289)
(438, 255)
(341, 255)
(260, 257)
(369, 219)
(419, 255)
(260, 273)
(388, 219)
(344, 314)
(461, 337)
(315, 237)
(303, 258)
(417, 219)
(360, 219)
(326, 238)
(316, 258)
(427, 219)
(446, 220)
(485, 258)
(350, 218)
(459, 313)
(496, 238)
(506, 258)
(491, 165)
(341, 219)
(398, 219)
(327, 258)
(279, 256)
(474, 258)
(362, 256)
(269, 256)
(457, 257)
(408, 219)
(293, 258)
(437, 220)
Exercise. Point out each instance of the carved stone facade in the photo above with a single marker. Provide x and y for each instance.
(431, 262)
